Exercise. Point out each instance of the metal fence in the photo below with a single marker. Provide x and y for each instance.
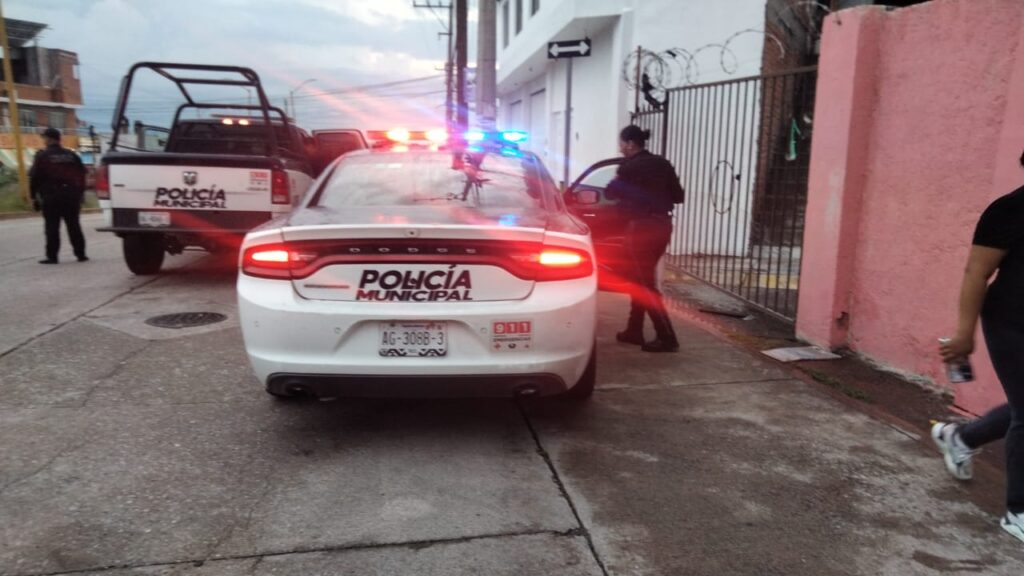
(742, 149)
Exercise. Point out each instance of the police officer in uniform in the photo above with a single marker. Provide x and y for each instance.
(646, 187)
(58, 187)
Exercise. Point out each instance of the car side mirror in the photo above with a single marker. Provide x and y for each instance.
(586, 196)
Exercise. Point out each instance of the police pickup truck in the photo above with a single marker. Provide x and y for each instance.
(211, 177)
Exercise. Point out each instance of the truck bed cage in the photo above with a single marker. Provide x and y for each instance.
(244, 77)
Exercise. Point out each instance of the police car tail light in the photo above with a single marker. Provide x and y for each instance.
(280, 191)
(275, 261)
(560, 259)
(103, 182)
(557, 263)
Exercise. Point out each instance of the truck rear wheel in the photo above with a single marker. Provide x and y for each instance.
(144, 253)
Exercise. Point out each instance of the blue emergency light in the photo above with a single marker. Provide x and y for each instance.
(512, 136)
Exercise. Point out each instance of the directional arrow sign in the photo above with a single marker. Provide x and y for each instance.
(568, 49)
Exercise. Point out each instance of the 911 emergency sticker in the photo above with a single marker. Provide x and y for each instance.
(259, 181)
(511, 335)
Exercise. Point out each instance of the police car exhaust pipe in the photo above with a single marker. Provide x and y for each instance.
(526, 391)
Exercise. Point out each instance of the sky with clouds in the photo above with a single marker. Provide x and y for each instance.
(342, 44)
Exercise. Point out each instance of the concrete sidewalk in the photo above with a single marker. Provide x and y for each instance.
(717, 461)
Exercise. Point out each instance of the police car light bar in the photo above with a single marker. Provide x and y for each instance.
(504, 138)
(398, 135)
(437, 136)
(514, 136)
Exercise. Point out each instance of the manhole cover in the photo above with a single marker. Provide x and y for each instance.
(186, 319)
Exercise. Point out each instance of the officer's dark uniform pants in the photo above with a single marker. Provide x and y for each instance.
(1005, 341)
(646, 240)
(66, 207)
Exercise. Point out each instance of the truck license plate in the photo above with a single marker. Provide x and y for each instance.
(413, 339)
(154, 219)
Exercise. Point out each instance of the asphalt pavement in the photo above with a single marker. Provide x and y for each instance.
(127, 449)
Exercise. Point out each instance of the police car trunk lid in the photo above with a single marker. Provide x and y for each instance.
(410, 258)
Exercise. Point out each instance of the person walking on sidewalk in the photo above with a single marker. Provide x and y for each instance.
(998, 245)
(58, 187)
(646, 187)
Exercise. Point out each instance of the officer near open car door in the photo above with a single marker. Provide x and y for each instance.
(647, 187)
(57, 182)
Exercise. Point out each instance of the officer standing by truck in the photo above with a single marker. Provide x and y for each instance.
(58, 188)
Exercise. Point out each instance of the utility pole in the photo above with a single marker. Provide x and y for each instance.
(291, 94)
(486, 59)
(448, 64)
(449, 73)
(12, 106)
(461, 57)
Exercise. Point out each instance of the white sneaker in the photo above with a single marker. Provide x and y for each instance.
(1014, 524)
(955, 453)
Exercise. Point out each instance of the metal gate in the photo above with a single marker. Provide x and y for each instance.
(742, 149)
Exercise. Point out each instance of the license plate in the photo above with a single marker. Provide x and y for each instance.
(413, 339)
(155, 219)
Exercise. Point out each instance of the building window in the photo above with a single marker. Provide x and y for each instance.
(534, 6)
(519, 16)
(57, 120)
(504, 23)
(27, 118)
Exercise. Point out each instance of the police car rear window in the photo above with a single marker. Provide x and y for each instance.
(412, 179)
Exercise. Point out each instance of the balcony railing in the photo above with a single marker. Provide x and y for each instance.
(38, 93)
(39, 130)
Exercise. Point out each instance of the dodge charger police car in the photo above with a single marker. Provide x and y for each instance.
(423, 272)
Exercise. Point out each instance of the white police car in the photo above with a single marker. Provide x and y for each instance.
(423, 272)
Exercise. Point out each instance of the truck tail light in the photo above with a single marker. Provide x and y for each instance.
(280, 191)
(103, 182)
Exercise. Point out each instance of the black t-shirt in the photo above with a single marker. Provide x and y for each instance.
(1002, 226)
(645, 185)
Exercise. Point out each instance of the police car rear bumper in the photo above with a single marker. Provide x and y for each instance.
(373, 386)
(334, 345)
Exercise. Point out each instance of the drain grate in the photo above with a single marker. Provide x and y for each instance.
(186, 319)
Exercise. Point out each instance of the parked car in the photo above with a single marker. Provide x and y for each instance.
(203, 182)
(423, 273)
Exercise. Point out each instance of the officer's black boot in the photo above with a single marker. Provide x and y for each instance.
(634, 332)
(666, 337)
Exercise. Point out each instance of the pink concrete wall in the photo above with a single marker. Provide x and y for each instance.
(940, 128)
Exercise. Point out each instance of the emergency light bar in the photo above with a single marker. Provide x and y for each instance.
(404, 135)
(509, 136)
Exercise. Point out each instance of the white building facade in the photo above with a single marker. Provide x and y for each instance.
(532, 88)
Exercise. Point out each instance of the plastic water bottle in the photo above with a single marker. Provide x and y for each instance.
(959, 370)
